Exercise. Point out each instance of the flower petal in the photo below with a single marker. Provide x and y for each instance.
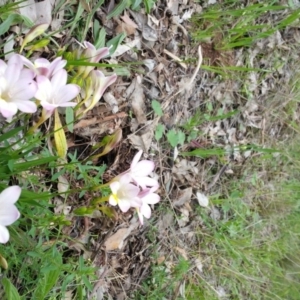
(124, 205)
(145, 181)
(112, 200)
(44, 90)
(114, 186)
(8, 215)
(67, 93)
(4, 235)
(26, 106)
(10, 195)
(143, 168)
(59, 80)
(136, 158)
(146, 210)
(151, 198)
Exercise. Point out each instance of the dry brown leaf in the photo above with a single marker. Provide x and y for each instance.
(128, 21)
(123, 27)
(183, 196)
(63, 184)
(137, 98)
(116, 241)
(142, 142)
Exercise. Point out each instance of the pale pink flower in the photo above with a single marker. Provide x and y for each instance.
(124, 194)
(147, 197)
(17, 88)
(99, 83)
(42, 66)
(8, 211)
(93, 55)
(56, 92)
(140, 170)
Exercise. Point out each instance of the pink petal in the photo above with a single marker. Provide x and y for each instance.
(89, 45)
(44, 91)
(57, 65)
(48, 106)
(140, 215)
(8, 215)
(42, 63)
(115, 186)
(12, 73)
(146, 210)
(26, 106)
(27, 74)
(136, 159)
(10, 195)
(25, 90)
(151, 199)
(67, 93)
(100, 53)
(3, 67)
(145, 181)
(4, 235)
(143, 168)
(124, 205)
(59, 80)
(130, 191)
(8, 109)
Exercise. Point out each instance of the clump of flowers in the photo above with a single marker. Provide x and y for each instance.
(8, 211)
(135, 188)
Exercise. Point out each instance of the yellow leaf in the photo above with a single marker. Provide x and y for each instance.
(34, 32)
(3, 262)
(59, 137)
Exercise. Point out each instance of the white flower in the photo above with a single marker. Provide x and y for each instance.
(17, 87)
(56, 92)
(124, 193)
(8, 211)
(139, 171)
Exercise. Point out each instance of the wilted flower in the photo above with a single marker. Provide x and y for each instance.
(56, 92)
(93, 55)
(124, 194)
(147, 197)
(99, 83)
(17, 87)
(42, 66)
(8, 211)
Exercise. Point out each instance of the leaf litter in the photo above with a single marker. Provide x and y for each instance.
(181, 89)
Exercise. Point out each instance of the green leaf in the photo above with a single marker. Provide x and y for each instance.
(70, 118)
(204, 153)
(148, 5)
(159, 131)
(115, 42)
(157, 108)
(48, 277)
(136, 4)
(172, 137)
(181, 137)
(4, 27)
(11, 292)
(100, 40)
(9, 134)
(119, 8)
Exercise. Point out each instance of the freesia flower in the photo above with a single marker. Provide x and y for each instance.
(124, 194)
(8, 211)
(139, 171)
(99, 83)
(55, 92)
(147, 197)
(93, 55)
(42, 66)
(17, 87)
